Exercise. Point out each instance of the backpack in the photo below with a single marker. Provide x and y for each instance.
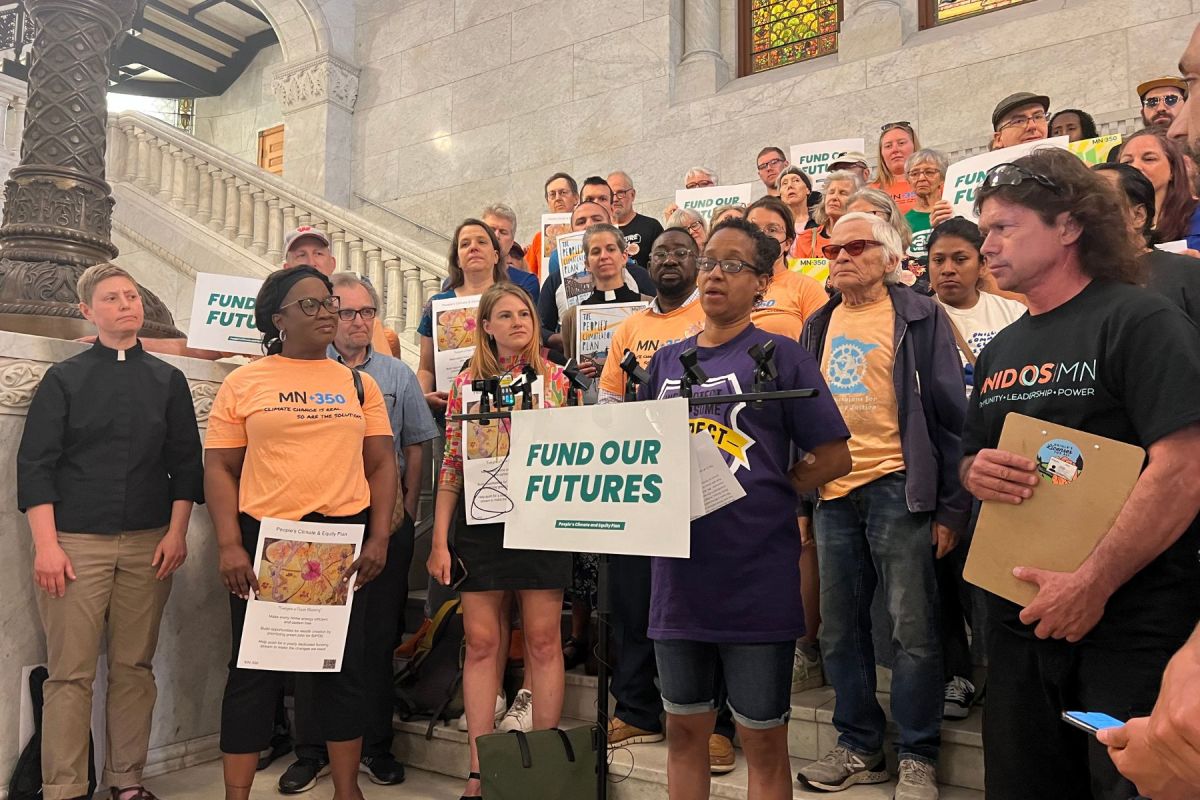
(429, 686)
(26, 783)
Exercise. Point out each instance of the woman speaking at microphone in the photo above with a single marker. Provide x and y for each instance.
(509, 340)
(734, 606)
(290, 437)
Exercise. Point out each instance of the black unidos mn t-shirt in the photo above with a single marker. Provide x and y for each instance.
(1117, 361)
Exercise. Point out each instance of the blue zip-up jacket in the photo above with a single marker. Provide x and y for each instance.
(930, 401)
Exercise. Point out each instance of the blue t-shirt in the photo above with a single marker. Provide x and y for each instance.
(425, 327)
(1193, 231)
(742, 582)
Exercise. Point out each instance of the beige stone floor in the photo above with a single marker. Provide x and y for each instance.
(203, 782)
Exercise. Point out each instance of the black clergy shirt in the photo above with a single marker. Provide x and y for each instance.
(111, 441)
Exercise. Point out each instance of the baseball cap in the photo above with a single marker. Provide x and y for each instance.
(850, 157)
(1159, 83)
(302, 232)
(1016, 101)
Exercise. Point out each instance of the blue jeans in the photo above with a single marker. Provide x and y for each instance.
(866, 539)
(758, 679)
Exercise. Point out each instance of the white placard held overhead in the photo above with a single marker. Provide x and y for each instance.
(964, 177)
(572, 263)
(297, 621)
(707, 199)
(453, 337)
(602, 479)
(815, 157)
(595, 325)
(223, 314)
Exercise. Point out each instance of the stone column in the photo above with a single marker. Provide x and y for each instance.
(232, 206)
(58, 206)
(874, 27)
(191, 186)
(702, 70)
(245, 215)
(258, 242)
(275, 231)
(391, 292)
(217, 221)
(413, 301)
(204, 188)
(317, 97)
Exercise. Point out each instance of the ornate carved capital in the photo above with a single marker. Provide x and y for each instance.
(324, 79)
(19, 379)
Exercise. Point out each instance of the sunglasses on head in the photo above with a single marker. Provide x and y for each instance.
(905, 124)
(1015, 175)
(854, 248)
(1169, 100)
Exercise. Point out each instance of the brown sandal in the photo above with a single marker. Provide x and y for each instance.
(138, 793)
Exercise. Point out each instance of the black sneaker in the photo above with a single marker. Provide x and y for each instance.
(959, 695)
(302, 775)
(280, 746)
(384, 770)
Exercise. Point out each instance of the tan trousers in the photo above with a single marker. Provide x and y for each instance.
(114, 584)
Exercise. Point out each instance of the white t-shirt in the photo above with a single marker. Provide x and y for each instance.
(990, 315)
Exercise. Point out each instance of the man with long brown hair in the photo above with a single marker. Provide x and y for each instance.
(1096, 352)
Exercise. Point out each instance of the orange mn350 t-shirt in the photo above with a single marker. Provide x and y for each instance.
(303, 429)
(643, 333)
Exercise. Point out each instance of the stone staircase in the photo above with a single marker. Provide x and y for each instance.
(639, 772)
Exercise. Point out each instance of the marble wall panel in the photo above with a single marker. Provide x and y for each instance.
(530, 92)
(402, 122)
(554, 23)
(399, 29)
(1155, 48)
(622, 58)
(453, 160)
(473, 51)
(591, 125)
(473, 12)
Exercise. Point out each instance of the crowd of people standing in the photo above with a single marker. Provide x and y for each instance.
(903, 316)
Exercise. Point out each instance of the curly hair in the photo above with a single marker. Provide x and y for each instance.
(766, 249)
(1178, 203)
(1107, 248)
(270, 298)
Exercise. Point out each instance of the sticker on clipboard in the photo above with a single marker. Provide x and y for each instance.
(1059, 461)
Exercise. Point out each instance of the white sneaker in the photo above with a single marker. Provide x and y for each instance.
(501, 707)
(806, 671)
(520, 716)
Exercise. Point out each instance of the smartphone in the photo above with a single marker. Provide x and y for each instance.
(1091, 721)
(458, 571)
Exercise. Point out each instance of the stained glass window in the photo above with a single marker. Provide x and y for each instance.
(940, 11)
(782, 33)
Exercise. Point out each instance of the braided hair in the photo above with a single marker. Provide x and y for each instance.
(270, 299)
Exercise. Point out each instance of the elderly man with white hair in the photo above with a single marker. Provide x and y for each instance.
(696, 178)
(889, 357)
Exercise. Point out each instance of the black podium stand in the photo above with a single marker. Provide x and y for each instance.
(693, 376)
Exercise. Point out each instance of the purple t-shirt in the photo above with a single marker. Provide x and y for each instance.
(742, 583)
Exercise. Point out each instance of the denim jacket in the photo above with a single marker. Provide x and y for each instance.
(930, 401)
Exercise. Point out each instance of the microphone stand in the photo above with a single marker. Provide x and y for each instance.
(635, 376)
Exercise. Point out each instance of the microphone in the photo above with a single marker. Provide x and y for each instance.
(693, 373)
(635, 376)
(764, 367)
(488, 389)
(528, 376)
(579, 382)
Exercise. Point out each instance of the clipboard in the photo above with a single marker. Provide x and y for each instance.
(1084, 481)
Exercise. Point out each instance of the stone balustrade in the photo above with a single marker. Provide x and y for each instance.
(254, 210)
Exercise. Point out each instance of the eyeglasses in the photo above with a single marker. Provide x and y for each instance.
(853, 248)
(348, 314)
(1169, 100)
(774, 162)
(905, 124)
(702, 183)
(774, 230)
(696, 227)
(309, 305)
(730, 266)
(659, 256)
(621, 194)
(1023, 122)
(1015, 175)
(924, 173)
(556, 193)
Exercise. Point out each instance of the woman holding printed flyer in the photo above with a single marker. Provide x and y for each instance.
(475, 263)
(297, 436)
(604, 247)
(482, 569)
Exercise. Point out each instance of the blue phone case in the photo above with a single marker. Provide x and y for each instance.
(1091, 721)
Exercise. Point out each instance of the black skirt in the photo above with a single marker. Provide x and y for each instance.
(491, 567)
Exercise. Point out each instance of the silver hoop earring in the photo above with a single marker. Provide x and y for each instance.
(283, 336)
